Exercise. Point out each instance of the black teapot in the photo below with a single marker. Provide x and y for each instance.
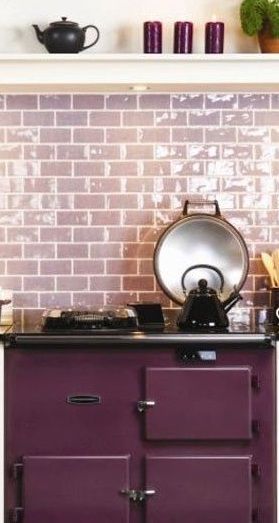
(203, 309)
(65, 36)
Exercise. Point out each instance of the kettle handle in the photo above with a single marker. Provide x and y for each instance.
(96, 39)
(201, 202)
(203, 266)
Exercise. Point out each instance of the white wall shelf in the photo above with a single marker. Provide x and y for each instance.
(120, 72)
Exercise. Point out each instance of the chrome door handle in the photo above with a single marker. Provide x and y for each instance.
(138, 495)
(149, 492)
(143, 405)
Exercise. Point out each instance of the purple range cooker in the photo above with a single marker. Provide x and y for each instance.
(134, 424)
(114, 416)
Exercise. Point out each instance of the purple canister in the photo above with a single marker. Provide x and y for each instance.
(152, 37)
(214, 37)
(183, 37)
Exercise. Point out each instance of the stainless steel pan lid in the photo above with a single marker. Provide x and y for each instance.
(200, 246)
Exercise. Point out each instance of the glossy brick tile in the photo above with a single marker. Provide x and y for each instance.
(88, 182)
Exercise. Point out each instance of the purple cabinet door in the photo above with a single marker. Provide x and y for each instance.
(199, 403)
(75, 489)
(199, 490)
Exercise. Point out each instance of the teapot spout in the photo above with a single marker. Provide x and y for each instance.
(233, 298)
(39, 33)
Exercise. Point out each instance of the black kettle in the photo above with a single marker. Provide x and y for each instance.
(65, 36)
(203, 309)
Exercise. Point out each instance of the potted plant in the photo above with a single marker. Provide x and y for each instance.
(261, 17)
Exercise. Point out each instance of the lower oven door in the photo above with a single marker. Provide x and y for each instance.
(199, 489)
(72, 489)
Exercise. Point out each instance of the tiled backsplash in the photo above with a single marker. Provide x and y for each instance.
(88, 182)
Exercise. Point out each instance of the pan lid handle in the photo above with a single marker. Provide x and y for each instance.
(201, 202)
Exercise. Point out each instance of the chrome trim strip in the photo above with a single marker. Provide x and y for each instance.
(140, 337)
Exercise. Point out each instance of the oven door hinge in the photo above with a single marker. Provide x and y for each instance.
(255, 426)
(255, 515)
(255, 382)
(16, 515)
(255, 470)
(138, 495)
(17, 470)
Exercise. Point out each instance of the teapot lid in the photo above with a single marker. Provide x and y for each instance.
(204, 289)
(63, 22)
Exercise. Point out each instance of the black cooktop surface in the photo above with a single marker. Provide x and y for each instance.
(234, 328)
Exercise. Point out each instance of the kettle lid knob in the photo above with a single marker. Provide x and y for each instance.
(204, 289)
(202, 285)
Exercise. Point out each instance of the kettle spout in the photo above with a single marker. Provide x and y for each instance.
(39, 33)
(233, 298)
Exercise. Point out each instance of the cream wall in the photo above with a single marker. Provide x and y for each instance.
(120, 22)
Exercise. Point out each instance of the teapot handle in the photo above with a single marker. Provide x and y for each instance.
(96, 39)
(203, 266)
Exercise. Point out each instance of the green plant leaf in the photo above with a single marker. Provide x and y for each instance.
(251, 20)
(255, 14)
(273, 18)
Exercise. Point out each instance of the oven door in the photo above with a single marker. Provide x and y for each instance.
(72, 489)
(215, 489)
(199, 403)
